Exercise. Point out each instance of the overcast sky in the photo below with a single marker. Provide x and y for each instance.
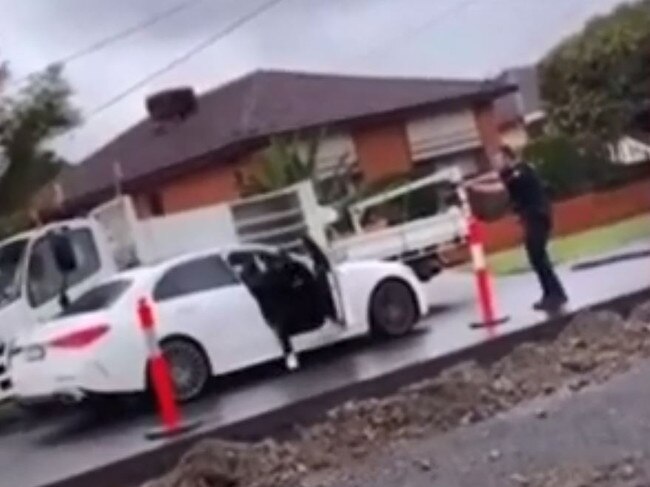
(437, 38)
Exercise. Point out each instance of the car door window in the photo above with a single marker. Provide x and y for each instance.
(98, 298)
(194, 276)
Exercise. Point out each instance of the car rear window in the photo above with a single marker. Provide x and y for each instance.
(98, 298)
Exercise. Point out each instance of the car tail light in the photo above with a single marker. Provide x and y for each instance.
(80, 338)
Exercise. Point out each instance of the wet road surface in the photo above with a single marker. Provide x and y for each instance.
(65, 446)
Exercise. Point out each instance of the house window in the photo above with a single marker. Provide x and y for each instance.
(442, 134)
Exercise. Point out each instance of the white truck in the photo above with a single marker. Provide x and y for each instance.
(41, 269)
(417, 222)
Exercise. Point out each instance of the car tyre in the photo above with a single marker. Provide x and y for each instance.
(188, 366)
(393, 310)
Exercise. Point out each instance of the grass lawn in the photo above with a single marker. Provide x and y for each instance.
(577, 246)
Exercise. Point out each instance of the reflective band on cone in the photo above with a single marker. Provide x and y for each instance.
(160, 379)
(478, 257)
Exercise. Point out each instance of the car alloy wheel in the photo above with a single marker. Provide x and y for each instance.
(393, 310)
(188, 368)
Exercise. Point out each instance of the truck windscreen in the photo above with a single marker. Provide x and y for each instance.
(10, 258)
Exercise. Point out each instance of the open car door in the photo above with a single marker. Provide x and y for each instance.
(291, 294)
(327, 281)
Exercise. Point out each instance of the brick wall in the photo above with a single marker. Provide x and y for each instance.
(577, 214)
(203, 188)
(382, 150)
(210, 186)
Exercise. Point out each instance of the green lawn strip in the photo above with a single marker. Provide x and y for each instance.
(576, 246)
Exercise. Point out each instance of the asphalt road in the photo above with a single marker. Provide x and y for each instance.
(65, 446)
(581, 434)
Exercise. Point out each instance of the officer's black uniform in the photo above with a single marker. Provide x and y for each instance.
(531, 203)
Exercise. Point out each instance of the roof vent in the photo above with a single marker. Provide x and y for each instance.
(170, 105)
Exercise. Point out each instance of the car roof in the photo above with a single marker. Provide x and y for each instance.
(141, 274)
(136, 275)
(222, 250)
(145, 272)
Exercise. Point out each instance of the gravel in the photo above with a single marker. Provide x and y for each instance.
(623, 473)
(590, 350)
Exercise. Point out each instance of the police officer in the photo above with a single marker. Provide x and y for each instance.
(531, 203)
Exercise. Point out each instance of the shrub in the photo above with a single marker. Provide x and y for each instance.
(567, 169)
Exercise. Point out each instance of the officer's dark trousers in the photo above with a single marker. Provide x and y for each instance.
(537, 231)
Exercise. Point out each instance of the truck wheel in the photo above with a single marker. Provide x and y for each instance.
(393, 310)
(188, 366)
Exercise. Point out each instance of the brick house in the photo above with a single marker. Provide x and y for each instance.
(174, 161)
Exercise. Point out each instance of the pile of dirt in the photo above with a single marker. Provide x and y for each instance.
(591, 349)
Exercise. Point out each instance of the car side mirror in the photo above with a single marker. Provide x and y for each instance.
(64, 254)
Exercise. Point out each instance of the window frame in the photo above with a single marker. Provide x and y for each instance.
(122, 284)
(161, 296)
(88, 255)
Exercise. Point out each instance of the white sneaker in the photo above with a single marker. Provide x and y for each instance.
(291, 361)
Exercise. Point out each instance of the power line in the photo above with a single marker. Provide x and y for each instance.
(440, 16)
(214, 38)
(113, 38)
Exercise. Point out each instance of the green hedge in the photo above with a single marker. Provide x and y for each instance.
(570, 171)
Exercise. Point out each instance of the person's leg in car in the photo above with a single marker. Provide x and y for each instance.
(284, 337)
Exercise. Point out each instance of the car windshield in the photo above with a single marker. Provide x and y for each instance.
(97, 298)
(11, 256)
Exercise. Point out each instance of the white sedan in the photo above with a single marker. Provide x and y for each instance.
(216, 312)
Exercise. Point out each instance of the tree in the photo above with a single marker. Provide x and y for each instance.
(595, 83)
(286, 164)
(28, 121)
(566, 170)
(290, 160)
